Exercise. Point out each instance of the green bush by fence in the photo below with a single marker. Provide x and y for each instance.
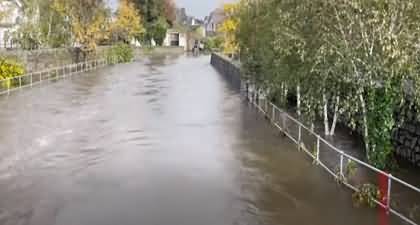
(120, 53)
(9, 69)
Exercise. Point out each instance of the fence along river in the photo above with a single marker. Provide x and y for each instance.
(163, 140)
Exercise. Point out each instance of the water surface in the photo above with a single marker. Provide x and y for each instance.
(162, 141)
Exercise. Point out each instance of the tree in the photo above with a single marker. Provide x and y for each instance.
(3, 11)
(352, 59)
(88, 21)
(158, 16)
(128, 24)
(229, 28)
(55, 31)
(28, 34)
(42, 26)
(169, 11)
(157, 31)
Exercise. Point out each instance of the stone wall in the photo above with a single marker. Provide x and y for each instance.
(406, 139)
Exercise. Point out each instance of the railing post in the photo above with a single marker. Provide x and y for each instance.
(273, 113)
(317, 148)
(299, 136)
(8, 86)
(266, 105)
(341, 164)
(388, 195)
(20, 81)
(31, 79)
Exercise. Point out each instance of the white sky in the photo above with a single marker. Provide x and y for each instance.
(197, 8)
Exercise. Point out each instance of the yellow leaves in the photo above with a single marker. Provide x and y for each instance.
(9, 69)
(88, 20)
(128, 23)
(229, 28)
(229, 25)
(230, 9)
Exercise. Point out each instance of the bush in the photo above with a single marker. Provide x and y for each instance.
(9, 69)
(120, 53)
(213, 44)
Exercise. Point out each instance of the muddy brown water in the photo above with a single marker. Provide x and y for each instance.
(161, 141)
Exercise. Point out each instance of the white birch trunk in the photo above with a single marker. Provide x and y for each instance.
(334, 123)
(298, 100)
(326, 124)
(365, 124)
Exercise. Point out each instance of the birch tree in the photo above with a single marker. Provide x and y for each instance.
(347, 60)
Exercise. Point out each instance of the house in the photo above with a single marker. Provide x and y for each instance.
(10, 23)
(175, 38)
(192, 21)
(213, 21)
(185, 37)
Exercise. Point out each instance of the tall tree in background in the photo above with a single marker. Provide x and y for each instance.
(42, 26)
(158, 15)
(3, 12)
(88, 21)
(55, 31)
(169, 10)
(29, 33)
(229, 28)
(129, 23)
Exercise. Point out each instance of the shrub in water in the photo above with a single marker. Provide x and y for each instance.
(120, 53)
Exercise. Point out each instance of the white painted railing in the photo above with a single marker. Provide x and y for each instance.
(27, 80)
(296, 130)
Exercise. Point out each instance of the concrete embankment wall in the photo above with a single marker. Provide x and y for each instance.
(406, 139)
(38, 60)
(41, 59)
(230, 70)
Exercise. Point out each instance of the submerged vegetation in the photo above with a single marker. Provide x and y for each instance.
(120, 53)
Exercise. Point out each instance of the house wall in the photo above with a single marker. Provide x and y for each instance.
(182, 39)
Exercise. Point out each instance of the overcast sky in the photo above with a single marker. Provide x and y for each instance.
(200, 8)
(197, 8)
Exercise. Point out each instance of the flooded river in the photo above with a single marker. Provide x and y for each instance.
(162, 141)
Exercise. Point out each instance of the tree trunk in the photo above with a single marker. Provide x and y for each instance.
(326, 124)
(298, 100)
(285, 95)
(365, 124)
(334, 123)
(49, 31)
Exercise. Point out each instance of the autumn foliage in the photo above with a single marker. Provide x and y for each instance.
(88, 21)
(128, 24)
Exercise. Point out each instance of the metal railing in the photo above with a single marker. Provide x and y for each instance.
(336, 162)
(11, 84)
